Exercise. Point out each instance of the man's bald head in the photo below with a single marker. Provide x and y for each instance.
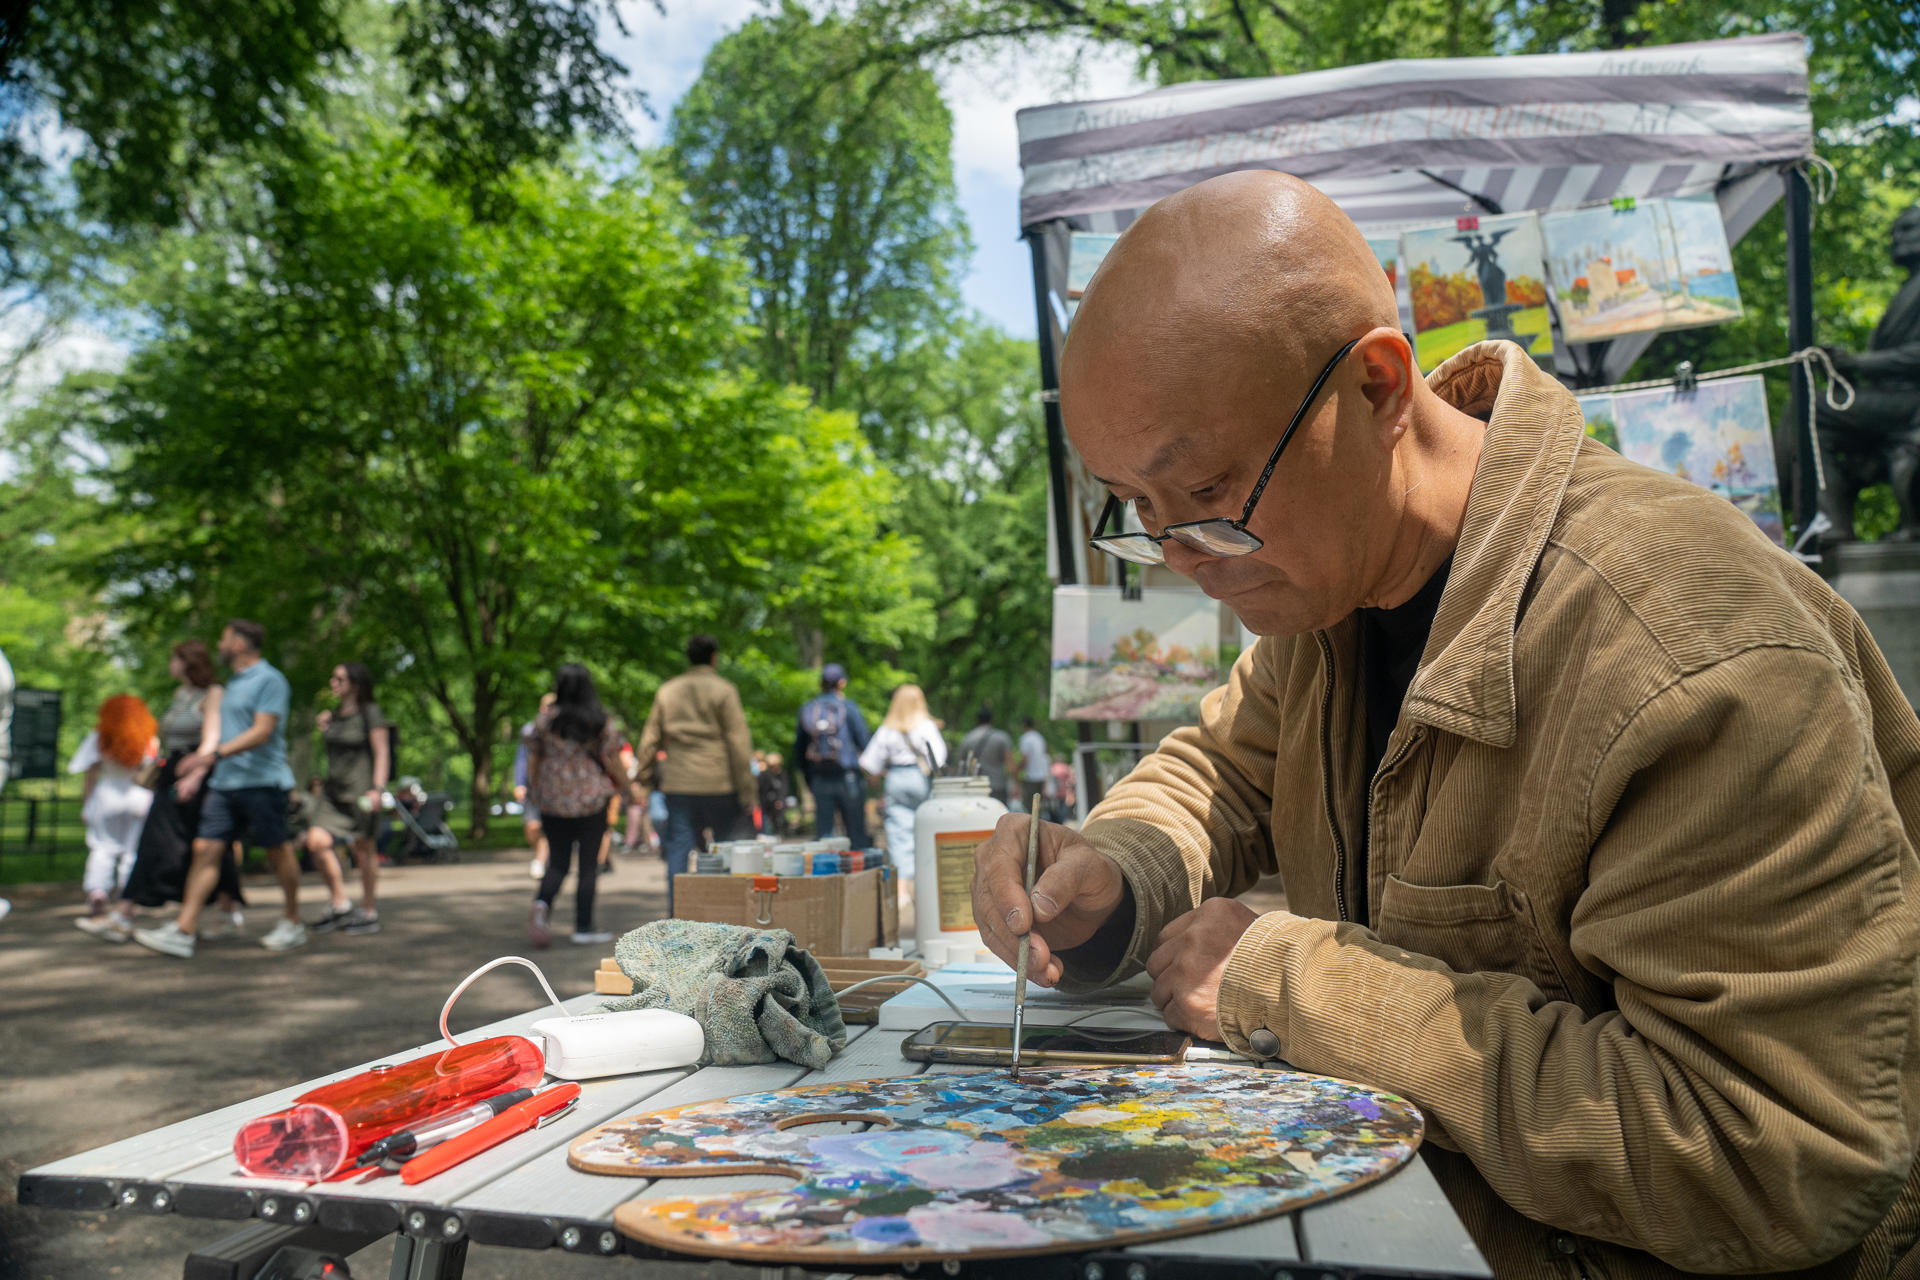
(1196, 342)
(1259, 262)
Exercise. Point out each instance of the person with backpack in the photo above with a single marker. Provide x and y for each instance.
(832, 735)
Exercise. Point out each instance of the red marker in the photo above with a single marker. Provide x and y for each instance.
(512, 1122)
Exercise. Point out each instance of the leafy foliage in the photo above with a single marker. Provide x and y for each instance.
(463, 450)
(836, 184)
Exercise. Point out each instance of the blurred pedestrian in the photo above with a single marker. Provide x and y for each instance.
(1035, 762)
(6, 743)
(707, 776)
(248, 780)
(831, 737)
(770, 787)
(358, 740)
(573, 769)
(903, 755)
(529, 812)
(990, 749)
(159, 876)
(113, 803)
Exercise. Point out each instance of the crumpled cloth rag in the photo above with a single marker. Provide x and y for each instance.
(758, 996)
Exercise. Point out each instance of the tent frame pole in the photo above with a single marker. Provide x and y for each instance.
(1799, 202)
(1089, 780)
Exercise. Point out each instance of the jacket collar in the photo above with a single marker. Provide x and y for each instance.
(1464, 684)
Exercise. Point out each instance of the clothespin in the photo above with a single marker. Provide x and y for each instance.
(1468, 223)
(1623, 204)
(1684, 380)
(764, 887)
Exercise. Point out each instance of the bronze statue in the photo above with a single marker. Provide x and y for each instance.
(1878, 438)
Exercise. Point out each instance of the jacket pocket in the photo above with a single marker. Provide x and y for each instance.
(1471, 928)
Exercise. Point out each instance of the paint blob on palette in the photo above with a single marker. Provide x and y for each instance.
(974, 1165)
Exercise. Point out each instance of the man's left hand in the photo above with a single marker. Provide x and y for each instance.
(1188, 963)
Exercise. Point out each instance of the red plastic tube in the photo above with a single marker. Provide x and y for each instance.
(328, 1127)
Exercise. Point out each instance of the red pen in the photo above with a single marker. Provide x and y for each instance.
(515, 1120)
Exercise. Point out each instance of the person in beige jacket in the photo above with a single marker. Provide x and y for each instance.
(707, 775)
(1595, 811)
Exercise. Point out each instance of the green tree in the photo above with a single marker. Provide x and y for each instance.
(467, 449)
(836, 184)
(159, 89)
(973, 471)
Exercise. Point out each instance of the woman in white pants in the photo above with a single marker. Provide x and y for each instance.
(115, 806)
(904, 754)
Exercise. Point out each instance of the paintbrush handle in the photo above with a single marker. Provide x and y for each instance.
(1026, 943)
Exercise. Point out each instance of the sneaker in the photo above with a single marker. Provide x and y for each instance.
(606, 868)
(359, 921)
(111, 927)
(285, 936)
(537, 868)
(333, 919)
(167, 940)
(222, 924)
(537, 930)
(582, 939)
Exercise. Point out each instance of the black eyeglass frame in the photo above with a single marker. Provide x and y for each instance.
(1103, 540)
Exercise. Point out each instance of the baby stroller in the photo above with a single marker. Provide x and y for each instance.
(425, 835)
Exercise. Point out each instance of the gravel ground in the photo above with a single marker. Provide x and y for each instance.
(103, 1042)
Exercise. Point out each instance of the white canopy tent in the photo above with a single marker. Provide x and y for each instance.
(1407, 143)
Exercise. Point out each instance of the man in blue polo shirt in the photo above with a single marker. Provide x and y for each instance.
(246, 793)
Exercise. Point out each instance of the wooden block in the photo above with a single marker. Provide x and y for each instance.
(609, 965)
(612, 984)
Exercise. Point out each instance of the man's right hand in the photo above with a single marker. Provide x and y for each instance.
(1075, 889)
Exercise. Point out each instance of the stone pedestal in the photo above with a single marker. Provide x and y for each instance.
(1881, 580)
(1499, 320)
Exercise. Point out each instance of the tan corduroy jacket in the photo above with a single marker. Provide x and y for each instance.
(1641, 874)
(697, 718)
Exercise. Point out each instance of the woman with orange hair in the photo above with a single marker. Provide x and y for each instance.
(114, 806)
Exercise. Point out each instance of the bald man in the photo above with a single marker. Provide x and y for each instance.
(1595, 810)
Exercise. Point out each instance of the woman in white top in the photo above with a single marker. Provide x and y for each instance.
(903, 755)
(114, 806)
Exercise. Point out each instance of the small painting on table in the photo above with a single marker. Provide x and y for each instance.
(982, 1166)
(1717, 435)
(1148, 659)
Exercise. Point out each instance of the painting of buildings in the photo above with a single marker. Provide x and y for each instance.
(1662, 264)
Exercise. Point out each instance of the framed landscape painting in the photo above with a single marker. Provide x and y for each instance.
(1663, 264)
(1717, 436)
(1478, 282)
(1148, 659)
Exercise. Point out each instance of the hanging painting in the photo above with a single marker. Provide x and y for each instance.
(1148, 659)
(1598, 412)
(1477, 279)
(1659, 264)
(1386, 251)
(1085, 252)
(1717, 436)
(983, 1166)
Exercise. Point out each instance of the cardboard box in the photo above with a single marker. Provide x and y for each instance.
(827, 915)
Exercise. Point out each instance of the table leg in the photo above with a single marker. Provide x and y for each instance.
(417, 1259)
(242, 1255)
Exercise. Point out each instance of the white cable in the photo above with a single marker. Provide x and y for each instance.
(467, 981)
(901, 977)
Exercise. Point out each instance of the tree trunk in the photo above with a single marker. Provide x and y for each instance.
(480, 754)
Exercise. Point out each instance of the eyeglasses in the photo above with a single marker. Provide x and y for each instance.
(1219, 536)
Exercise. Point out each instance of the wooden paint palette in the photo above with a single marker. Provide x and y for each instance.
(975, 1166)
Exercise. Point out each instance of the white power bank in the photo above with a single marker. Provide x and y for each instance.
(613, 1044)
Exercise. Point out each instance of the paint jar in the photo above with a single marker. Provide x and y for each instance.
(839, 844)
(933, 954)
(788, 860)
(825, 863)
(956, 819)
(853, 860)
(747, 858)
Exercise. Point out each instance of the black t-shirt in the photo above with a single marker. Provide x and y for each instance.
(1391, 641)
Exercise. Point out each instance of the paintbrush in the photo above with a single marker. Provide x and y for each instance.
(1026, 945)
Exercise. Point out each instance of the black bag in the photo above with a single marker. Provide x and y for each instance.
(829, 732)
